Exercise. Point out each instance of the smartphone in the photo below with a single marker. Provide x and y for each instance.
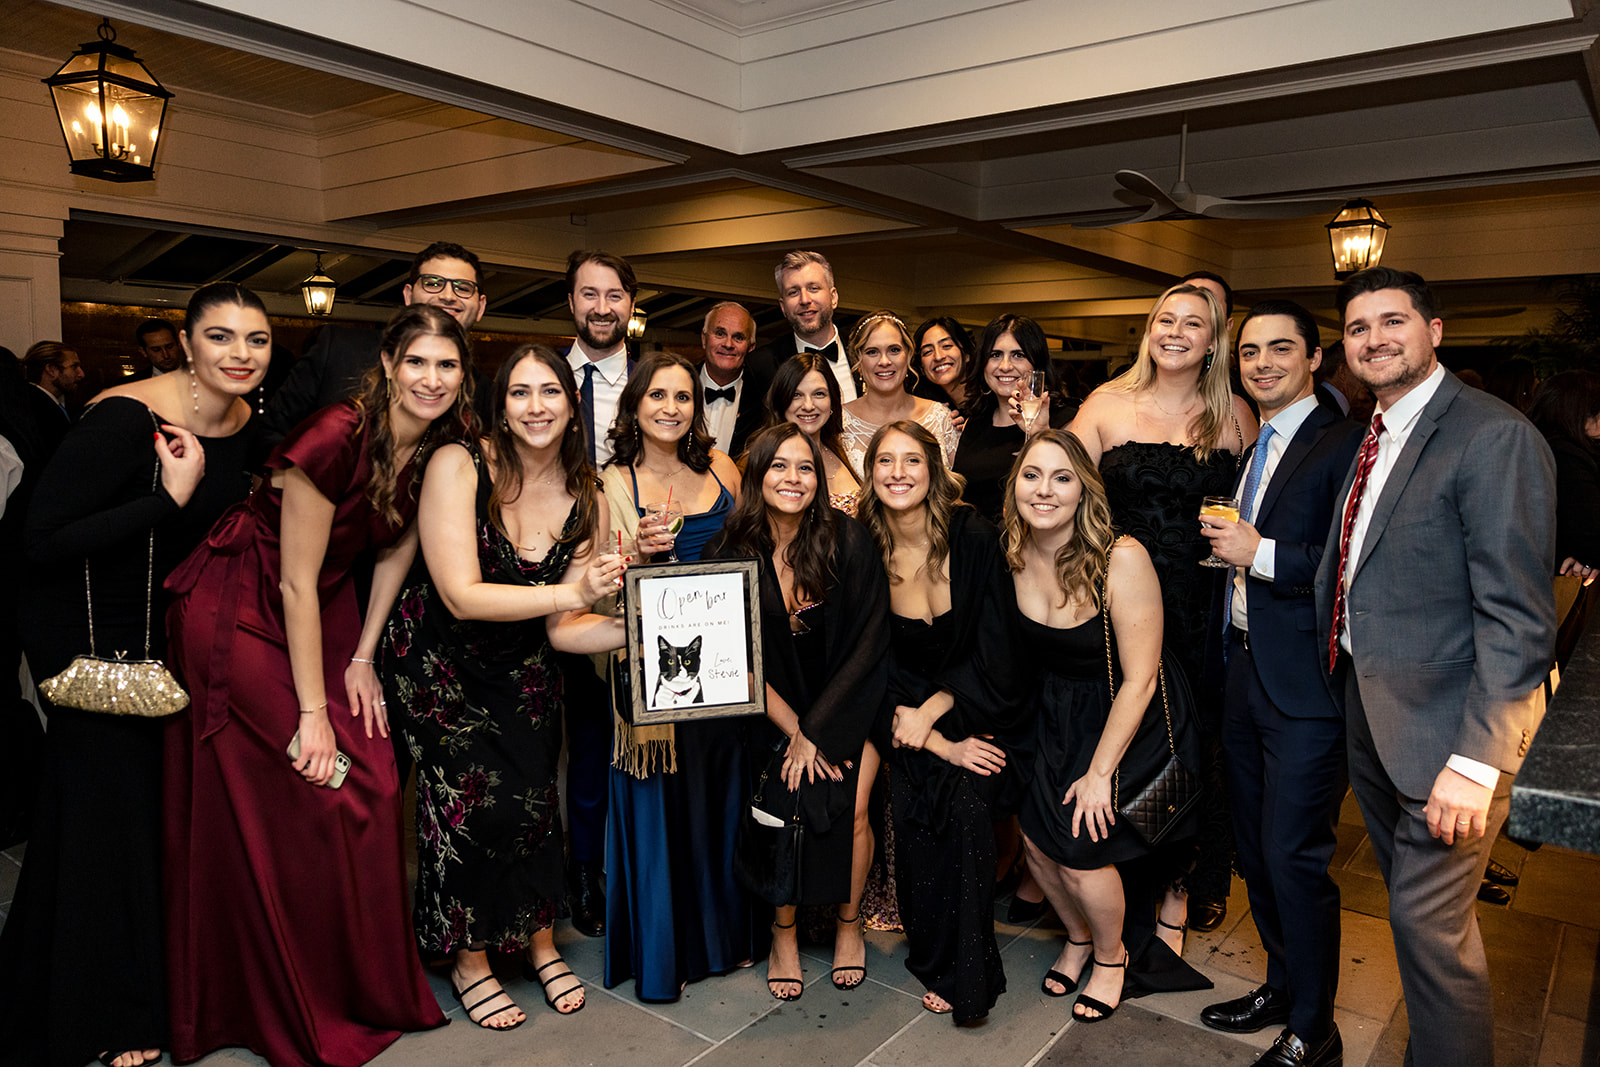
(341, 762)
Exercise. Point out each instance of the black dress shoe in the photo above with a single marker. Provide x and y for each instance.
(1206, 915)
(1500, 874)
(587, 898)
(1290, 1051)
(1258, 1009)
(1490, 893)
(1022, 912)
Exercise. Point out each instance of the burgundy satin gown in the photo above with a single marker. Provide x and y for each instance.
(288, 919)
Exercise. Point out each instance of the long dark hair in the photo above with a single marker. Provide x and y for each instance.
(925, 387)
(410, 323)
(981, 402)
(1564, 404)
(944, 496)
(786, 382)
(508, 473)
(747, 531)
(694, 447)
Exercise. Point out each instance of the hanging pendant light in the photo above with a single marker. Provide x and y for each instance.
(319, 291)
(111, 109)
(1356, 236)
(636, 324)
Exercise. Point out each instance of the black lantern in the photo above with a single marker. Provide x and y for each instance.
(319, 291)
(1356, 236)
(111, 109)
(636, 324)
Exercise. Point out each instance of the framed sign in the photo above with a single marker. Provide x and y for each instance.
(694, 641)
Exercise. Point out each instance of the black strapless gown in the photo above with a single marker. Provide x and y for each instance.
(1155, 490)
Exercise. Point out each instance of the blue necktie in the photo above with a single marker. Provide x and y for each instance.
(1247, 509)
(586, 402)
(1252, 480)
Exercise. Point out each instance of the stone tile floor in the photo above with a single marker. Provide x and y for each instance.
(1544, 950)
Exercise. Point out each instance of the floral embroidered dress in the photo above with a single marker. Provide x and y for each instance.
(479, 707)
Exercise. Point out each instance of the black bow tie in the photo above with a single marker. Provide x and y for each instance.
(829, 352)
(713, 395)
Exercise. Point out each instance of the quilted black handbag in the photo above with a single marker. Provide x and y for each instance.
(1154, 811)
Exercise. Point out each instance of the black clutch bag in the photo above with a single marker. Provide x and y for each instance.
(767, 851)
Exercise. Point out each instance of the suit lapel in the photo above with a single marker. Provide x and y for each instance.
(1395, 484)
(1299, 447)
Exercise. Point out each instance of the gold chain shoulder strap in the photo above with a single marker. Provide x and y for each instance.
(1111, 685)
(149, 572)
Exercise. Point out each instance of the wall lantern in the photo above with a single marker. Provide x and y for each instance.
(111, 109)
(1356, 236)
(319, 291)
(636, 323)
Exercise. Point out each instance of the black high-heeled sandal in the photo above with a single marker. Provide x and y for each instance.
(1106, 1011)
(862, 971)
(774, 983)
(1069, 986)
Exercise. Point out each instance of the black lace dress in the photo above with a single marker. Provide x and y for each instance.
(480, 710)
(1155, 490)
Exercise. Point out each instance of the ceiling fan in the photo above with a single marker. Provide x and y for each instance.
(1182, 202)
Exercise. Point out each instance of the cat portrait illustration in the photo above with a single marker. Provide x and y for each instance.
(678, 676)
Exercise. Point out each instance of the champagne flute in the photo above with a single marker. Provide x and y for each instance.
(1032, 401)
(670, 516)
(1218, 507)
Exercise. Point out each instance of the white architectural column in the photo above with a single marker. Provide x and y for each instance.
(30, 279)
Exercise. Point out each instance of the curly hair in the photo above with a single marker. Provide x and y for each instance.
(944, 496)
(1081, 562)
(1216, 392)
(749, 532)
(694, 447)
(508, 472)
(373, 404)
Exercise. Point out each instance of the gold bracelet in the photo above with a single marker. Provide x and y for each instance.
(358, 659)
(312, 711)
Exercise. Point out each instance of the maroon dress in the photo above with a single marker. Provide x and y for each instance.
(288, 921)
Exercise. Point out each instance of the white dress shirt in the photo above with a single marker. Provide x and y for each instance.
(611, 374)
(722, 414)
(1399, 419)
(840, 367)
(1285, 424)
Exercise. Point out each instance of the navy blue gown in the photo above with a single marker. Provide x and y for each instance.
(674, 914)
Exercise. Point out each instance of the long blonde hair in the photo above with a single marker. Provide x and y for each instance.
(1216, 392)
(1081, 562)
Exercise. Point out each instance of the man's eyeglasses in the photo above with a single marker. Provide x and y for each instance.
(433, 283)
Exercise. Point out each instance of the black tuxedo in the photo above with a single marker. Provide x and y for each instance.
(763, 363)
(752, 414)
(1283, 731)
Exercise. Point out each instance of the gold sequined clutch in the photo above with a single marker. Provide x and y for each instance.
(142, 687)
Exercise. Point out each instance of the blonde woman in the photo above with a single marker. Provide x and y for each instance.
(1166, 433)
(881, 346)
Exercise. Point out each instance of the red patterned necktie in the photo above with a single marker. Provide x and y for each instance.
(1364, 461)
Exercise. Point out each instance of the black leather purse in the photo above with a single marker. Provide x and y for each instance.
(1154, 811)
(766, 858)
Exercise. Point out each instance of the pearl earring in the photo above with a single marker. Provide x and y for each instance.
(194, 388)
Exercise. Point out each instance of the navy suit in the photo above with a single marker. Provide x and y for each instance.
(588, 719)
(1283, 728)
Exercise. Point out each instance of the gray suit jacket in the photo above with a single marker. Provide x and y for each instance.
(1451, 613)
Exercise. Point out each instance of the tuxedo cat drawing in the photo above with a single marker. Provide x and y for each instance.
(678, 675)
